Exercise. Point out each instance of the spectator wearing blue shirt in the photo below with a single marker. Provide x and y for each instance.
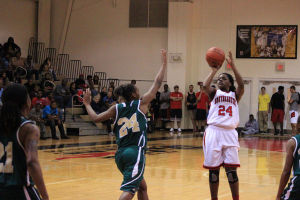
(51, 116)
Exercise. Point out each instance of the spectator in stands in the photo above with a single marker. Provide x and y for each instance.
(30, 68)
(5, 62)
(48, 99)
(30, 86)
(62, 95)
(176, 108)
(35, 91)
(133, 82)
(251, 126)
(36, 114)
(80, 82)
(103, 92)
(108, 102)
(164, 101)
(112, 85)
(52, 118)
(96, 80)
(18, 61)
(293, 110)
(11, 47)
(73, 89)
(90, 84)
(39, 99)
(47, 62)
(263, 110)
(5, 79)
(97, 104)
(1, 90)
(191, 105)
(277, 104)
(202, 108)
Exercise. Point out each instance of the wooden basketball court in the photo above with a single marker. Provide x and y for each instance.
(83, 168)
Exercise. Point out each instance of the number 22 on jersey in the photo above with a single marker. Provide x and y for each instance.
(128, 124)
(7, 166)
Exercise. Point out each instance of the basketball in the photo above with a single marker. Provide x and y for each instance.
(215, 56)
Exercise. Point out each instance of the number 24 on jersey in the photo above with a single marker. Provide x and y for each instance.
(128, 124)
(223, 110)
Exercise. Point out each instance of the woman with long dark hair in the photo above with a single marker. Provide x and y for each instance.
(220, 140)
(19, 163)
(130, 130)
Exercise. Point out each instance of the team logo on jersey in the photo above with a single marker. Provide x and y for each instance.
(225, 99)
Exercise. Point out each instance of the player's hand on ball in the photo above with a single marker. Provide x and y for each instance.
(230, 59)
(87, 97)
(163, 56)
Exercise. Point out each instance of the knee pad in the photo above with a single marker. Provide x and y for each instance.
(232, 176)
(214, 176)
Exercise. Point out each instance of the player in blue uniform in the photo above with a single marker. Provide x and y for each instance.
(130, 130)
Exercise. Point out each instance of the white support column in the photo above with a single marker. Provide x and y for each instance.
(179, 31)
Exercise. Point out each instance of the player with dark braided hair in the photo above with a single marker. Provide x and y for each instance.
(220, 141)
(130, 130)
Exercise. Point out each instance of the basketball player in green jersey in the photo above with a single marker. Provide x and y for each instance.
(130, 130)
(292, 192)
(19, 163)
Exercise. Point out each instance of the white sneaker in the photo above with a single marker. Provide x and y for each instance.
(179, 130)
(171, 129)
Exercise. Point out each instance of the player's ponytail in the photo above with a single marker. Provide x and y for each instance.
(14, 99)
(125, 91)
(232, 87)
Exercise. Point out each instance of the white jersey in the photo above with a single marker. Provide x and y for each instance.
(224, 110)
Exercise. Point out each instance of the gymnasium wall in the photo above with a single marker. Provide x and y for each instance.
(17, 20)
(99, 35)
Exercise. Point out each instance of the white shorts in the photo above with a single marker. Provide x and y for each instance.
(220, 147)
(294, 116)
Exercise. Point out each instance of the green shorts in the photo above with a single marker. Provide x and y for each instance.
(292, 192)
(131, 163)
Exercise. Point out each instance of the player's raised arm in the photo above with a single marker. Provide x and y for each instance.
(207, 82)
(150, 95)
(238, 77)
(110, 113)
(30, 135)
(291, 145)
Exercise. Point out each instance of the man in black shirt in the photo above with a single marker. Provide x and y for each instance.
(277, 104)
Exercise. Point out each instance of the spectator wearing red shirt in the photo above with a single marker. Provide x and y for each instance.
(202, 108)
(176, 108)
(38, 99)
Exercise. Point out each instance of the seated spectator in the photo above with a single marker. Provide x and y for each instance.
(133, 82)
(103, 92)
(251, 127)
(40, 99)
(97, 104)
(5, 62)
(90, 84)
(47, 62)
(30, 86)
(52, 118)
(46, 73)
(48, 99)
(80, 82)
(112, 85)
(96, 80)
(1, 91)
(36, 114)
(35, 91)
(5, 79)
(108, 100)
(11, 47)
(28, 65)
(62, 95)
(18, 61)
(73, 89)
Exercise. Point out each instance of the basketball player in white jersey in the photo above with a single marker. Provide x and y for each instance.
(220, 141)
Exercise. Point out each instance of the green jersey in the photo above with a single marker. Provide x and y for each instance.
(296, 164)
(13, 168)
(130, 125)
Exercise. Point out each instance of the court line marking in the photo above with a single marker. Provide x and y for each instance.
(66, 181)
(225, 195)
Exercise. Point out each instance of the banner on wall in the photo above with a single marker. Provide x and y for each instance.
(267, 41)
